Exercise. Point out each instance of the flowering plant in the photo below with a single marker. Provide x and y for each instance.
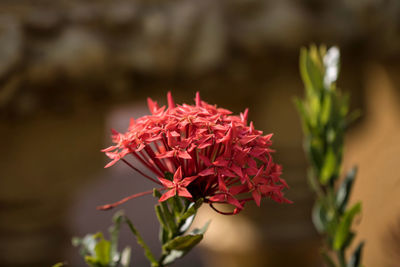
(195, 154)
(325, 117)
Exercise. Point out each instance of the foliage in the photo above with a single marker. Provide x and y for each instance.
(99, 252)
(175, 216)
(325, 117)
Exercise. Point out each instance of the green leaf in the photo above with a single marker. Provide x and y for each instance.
(344, 191)
(179, 246)
(163, 234)
(315, 147)
(303, 115)
(192, 209)
(147, 252)
(315, 110)
(102, 250)
(343, 229)
(355, 260)
(310, 72)
(168, 217)
(176, 203)
(326, 109)
(59, 264)
(92, 261)
(184, 243)
(99, 252)
(163, 223)
(329, 168)
(312, 181)
(114, 234)
(319, 217)
(156, 193)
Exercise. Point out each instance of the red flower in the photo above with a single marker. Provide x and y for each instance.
(177, 186)
(213, 154)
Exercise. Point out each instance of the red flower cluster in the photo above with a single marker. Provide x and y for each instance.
(212, 155)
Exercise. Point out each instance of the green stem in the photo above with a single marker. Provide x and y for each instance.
(341, 258)
(147, 252)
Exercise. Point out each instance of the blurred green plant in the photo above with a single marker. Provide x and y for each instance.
(175, 215)
(324, 113)
(99, 252)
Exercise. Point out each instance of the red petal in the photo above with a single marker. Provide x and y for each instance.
(114, 132)
(154, 138)
(168, 154)
(152, 105)
(244, 115)
(247, 139)
(207, 172)
(171, 140)
(185, 182)
(112, 155)
(131, 123)
(265, 189)
(167, 195)
(257, 197)
(221, 184)
(174, 134)
(218, 198)
(111, 163)
(184, 155)
(167, 183)
(108, 149)
(140, 148)
(206, 160)
(226, 138)
(237, 170)
(226, 172)
(178, 175)
(221, 162)
(238, 189)
(183, 192)
(198, 100)
(171, 103)
(233, 201)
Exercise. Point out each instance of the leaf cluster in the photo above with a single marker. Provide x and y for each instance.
(99, 252)
(324, 113)
(176, 215)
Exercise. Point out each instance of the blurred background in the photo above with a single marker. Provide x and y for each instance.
(70, 70)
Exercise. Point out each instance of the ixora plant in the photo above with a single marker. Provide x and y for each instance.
(325, 117)
(195, 154)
